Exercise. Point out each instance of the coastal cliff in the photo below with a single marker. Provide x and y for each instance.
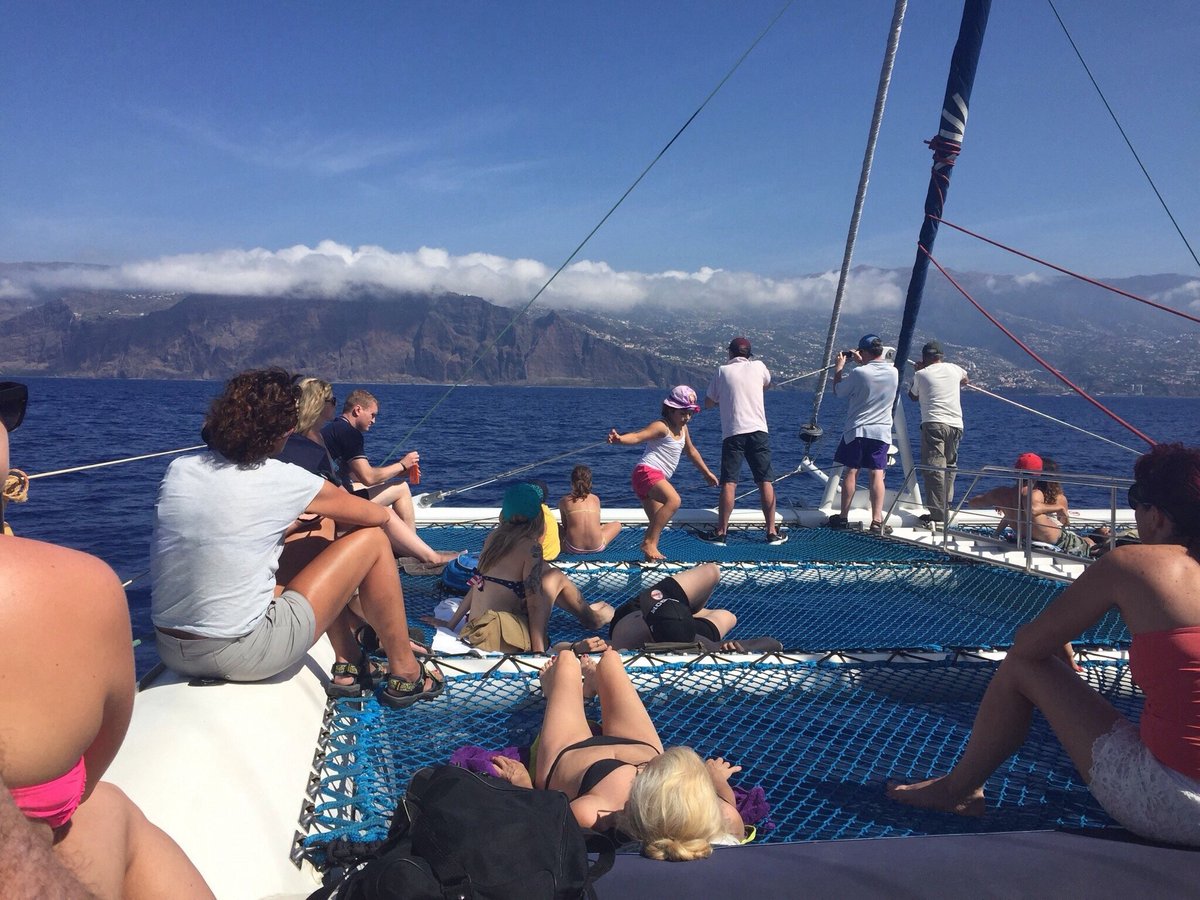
(382, 338)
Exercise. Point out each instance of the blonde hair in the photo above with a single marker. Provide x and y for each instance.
(673, 808)
(359, 397)
(314, 394)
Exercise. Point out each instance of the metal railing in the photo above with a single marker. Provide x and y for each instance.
(1115, 487)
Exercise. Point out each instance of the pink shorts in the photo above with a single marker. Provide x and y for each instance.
(644, 478)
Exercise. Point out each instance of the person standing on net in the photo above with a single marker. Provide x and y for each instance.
(937, 384)
(737, 389)
(869, 392)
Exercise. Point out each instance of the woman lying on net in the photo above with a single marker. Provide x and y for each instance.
(1147, 776)
(675, 803)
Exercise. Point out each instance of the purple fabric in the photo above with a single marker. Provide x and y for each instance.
(753, 807)
(474, 758)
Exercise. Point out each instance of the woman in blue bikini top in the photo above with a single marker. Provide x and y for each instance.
(675, 803)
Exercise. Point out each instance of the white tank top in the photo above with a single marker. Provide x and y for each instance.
(663, 453)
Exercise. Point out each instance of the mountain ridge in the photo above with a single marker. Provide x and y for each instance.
(1106, 345)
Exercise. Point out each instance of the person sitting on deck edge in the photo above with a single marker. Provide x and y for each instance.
(1146, 776)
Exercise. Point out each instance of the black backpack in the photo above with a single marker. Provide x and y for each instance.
(458, 834)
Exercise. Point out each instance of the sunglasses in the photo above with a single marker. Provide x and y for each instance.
(332, 399)
(1136, 498)
(13, 399)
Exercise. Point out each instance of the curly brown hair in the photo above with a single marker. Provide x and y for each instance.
(1169, 478)
(255, 410)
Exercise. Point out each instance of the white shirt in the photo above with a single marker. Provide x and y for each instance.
(218, 534)
(737, 389)
(663, 453)
(869, 391)
(937, 387)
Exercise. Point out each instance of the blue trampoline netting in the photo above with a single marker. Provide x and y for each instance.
(819, 735)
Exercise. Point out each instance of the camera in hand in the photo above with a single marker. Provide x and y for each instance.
(849, 354)
(13, 398)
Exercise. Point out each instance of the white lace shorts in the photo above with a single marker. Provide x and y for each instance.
(1147, 797)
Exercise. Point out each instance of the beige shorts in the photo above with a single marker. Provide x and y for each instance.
(498, 631)
(280, 640)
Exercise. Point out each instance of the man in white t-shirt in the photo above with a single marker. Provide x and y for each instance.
(737, 389)
(869, 391)
(938, 385)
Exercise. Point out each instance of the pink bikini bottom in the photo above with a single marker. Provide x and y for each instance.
(55, 801)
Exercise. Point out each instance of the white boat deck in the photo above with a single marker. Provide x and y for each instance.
(224, 769)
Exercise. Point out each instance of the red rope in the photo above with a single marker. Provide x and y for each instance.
(1049, 368)
(1092, 281)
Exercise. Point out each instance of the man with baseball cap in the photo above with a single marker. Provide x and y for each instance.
(937, 384)
(869, 391)
(737, 389)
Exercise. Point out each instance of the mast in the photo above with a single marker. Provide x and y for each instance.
(945, 146)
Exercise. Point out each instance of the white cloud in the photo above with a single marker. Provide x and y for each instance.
(331, 269)
(1186, 296)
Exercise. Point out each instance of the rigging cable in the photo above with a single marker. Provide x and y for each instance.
(430, 499)
(629, 190)
(805, 375)
(1091, 281)
(114, 462)
(812, 431)
(1030, 409)
(1049, 368)
(1117, 122)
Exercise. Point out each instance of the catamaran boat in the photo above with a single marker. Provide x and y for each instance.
(888, 643)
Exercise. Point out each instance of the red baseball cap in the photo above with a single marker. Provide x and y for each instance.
(1030, 461)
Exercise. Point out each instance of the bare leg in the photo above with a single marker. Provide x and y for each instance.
(651, 507)
(725, 506)
(561, 591)
(621, 709)
(406, 542)
(398, 496)
(849, 485)
(698, 583)
(667, 500)
(877, 495)
(114, 848)
(767, 491)
(1077, 714)
(723, 620)
(609, 531)
(564, 722)
(361, 559)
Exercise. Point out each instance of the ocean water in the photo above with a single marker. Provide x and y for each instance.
(474, 434)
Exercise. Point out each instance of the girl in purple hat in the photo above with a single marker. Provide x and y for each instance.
(666, 439)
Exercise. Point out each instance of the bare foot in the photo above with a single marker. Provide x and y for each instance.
(590, 687)
(650, 551)
(544, 674)
(934, 794)
(602, 613)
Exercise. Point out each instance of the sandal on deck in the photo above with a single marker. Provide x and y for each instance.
(398, 693)
(345, 670)
(753, 645)
(880, 529)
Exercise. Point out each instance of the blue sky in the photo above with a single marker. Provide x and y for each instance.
(254, 146)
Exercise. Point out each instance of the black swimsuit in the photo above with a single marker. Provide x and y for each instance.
(601, 768)
(517, 587)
